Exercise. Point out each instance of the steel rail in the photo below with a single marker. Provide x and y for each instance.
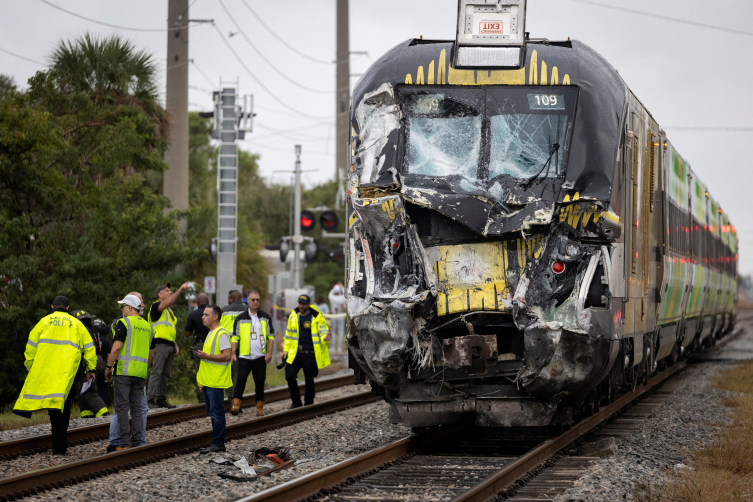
(32, 483)
(510, 474)
(82, 435)
(362, 465)
(355, 467)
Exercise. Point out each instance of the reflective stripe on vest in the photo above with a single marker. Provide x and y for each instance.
(318, 328)
(228, 320)
(214, 374)
(245, 328)
(164, 327)
(134, 356)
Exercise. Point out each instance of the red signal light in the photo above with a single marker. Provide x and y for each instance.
(558, 267)
(308, 221)
(329, 221)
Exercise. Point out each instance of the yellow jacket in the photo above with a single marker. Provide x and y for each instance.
(52, 356)
(318, 330)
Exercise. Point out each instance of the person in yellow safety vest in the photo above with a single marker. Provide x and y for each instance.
(252, 338)
(163, 320)
(230, 313)
(52, 357)
(306, 347)
(130, 347)
(214, 374)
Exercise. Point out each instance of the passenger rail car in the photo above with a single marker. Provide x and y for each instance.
(523, 244)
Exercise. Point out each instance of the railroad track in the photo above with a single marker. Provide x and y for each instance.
(454, 461)
(32, 483)
(82, 435)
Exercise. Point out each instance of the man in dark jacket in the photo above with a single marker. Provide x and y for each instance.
(89, 401)
(252, 338)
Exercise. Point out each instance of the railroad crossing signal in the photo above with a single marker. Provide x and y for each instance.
(308, 221)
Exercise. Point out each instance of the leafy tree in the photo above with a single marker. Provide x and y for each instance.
(7, 85)
(76, 215)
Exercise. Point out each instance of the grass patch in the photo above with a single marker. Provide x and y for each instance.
(9, 420)
(723, 471)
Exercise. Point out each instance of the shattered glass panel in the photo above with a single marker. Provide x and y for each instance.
(444, 146)
(523, 145)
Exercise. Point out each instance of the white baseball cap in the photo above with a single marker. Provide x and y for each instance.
(337, 289)
(132, 301)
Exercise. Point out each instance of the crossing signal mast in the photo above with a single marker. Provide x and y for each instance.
(231, 122)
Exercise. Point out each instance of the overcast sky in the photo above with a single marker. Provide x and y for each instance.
(687, 76)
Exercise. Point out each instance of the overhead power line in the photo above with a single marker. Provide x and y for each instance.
(264, 58)
(21, 57)
(127, 28)
(710, 129)
(201, 89)
(209, 80)
(282, 40)
(666, 18)
(259, 82)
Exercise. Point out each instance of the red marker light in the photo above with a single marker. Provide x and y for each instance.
(306, 222)
(558, 267)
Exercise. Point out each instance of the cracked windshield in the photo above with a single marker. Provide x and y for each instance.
(478, 138)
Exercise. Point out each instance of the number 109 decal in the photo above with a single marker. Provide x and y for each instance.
(546, 102)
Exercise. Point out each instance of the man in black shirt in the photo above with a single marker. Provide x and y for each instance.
(195, 328)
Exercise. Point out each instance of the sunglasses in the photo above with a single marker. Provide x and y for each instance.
(253, 299)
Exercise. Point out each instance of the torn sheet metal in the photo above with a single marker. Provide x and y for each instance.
(378, 120)
(383, 331)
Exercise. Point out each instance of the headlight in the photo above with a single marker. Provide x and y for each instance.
(572, 250)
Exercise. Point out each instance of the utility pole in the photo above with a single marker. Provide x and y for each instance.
(297, 237)
(342, 95)
(175, 179)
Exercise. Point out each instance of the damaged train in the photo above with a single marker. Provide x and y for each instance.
(523, 244)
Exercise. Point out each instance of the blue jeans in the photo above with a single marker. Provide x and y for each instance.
(115, 432)
(214, 399)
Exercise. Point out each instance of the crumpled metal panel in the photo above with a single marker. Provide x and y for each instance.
(384, 331)
(378, 120)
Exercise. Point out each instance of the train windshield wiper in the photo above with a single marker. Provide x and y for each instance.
(553, 148)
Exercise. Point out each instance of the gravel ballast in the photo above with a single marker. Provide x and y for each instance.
(43, 460)
(322, 441)
(691, 418)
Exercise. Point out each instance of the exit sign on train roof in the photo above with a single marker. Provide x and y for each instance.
(491, 22)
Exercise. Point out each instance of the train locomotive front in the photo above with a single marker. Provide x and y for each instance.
(486, 276)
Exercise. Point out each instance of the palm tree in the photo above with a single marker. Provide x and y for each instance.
(110, 69)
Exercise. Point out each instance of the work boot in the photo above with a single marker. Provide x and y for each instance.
(59, 452)
(162, 403)
(294, 406)
(111, 448)
(152, 405)
(259, 408)
(236, 406)
(213, 449)
(121, 448)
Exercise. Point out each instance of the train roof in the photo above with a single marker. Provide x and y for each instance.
(598, 121)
